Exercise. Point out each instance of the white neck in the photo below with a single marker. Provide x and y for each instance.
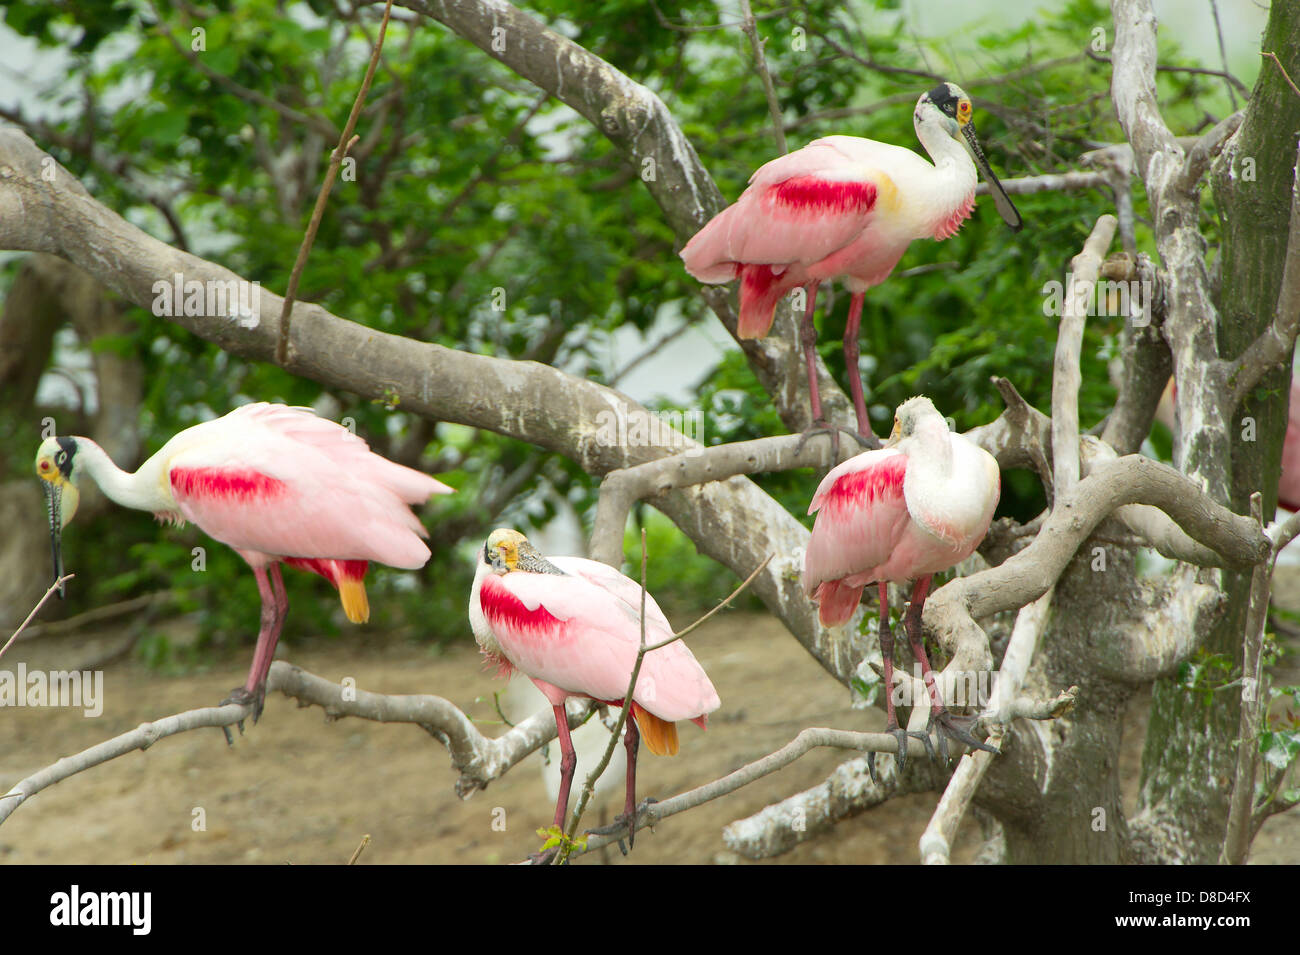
(931, 448)
(944, 149)
(951, 185)
(141, 490)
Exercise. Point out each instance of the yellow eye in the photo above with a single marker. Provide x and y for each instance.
(963, 111)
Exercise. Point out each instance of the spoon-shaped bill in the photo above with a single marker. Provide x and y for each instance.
(1006, 208)
(54, 500)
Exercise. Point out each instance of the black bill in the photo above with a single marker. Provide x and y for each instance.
(1006, 208)
(53, 501)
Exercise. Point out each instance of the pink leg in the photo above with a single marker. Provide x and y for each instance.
(275, 606)
(632, 742)
(568, 763)
(886, 636)
(851, 352)
(912, 621)
(808, 335)
(949, 726)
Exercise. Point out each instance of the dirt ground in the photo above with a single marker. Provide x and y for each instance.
(298, 789)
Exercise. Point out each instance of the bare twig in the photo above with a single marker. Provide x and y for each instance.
(365, 841)
(96, 615)
(35, 610)
(346, 141)
(1285, 75)
(760, 66)
(1223, 53)
(1196, 70)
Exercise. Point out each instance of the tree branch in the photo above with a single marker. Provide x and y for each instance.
(478, 758)
(1069, 340)
(1277, 343)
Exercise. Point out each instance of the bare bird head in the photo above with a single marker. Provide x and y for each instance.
(949, 108)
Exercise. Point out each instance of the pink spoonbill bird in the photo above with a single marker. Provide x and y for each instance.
(844, 207)
(573, 626)
(902, 513)
(278, 484)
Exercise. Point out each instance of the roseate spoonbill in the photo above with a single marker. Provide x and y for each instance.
(905, 512)
(844, 207)
(275, 483)
(573, 626)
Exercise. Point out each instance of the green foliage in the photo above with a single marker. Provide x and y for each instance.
(1205, 674)
(683, 581)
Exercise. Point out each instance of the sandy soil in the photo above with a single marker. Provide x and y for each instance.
(299, 789)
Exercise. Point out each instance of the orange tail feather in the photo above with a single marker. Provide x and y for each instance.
(660, 736)
(352, 591)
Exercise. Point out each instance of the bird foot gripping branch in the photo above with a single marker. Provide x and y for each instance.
(629, 823)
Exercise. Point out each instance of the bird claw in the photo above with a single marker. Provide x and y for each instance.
(957, 728)
(821, 426)
(244, 697)
(625, 823)
(230, 739)
(901, 736)
(925, 741)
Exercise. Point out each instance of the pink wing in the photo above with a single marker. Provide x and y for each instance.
(282, 482)
(798, 210)
(862, 516)
(581, 636)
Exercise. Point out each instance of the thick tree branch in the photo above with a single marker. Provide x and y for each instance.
(1069, 340)
(1277, 343)
(1191, 318)
(624, 487)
